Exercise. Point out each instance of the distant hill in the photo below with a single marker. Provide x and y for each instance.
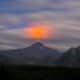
(37, 53)
(71, 58)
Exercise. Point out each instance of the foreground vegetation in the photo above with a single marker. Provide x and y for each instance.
(32, 72)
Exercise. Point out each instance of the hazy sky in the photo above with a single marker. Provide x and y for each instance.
(15, 15)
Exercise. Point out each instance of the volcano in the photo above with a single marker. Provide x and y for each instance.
(39, 49)
(35, 52)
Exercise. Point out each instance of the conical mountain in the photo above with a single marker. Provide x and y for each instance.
(34, 52)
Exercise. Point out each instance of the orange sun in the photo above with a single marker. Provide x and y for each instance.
(38, 32)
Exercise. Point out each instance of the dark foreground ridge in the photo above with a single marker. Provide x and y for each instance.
(35, 72)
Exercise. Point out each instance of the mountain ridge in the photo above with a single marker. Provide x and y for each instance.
(38, 53)
(70, 58)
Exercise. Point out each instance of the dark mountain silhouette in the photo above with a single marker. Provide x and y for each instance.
(71, 58)
(39, 50)
(36, 53)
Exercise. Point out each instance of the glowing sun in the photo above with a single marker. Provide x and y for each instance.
(38, 32)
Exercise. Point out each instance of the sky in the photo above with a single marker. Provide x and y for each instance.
(17, 15)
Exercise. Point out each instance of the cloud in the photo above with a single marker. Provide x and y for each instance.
(12, 39)
(15, 15)
(22, 6)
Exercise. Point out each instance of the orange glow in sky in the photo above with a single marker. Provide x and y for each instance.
(38, 32)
